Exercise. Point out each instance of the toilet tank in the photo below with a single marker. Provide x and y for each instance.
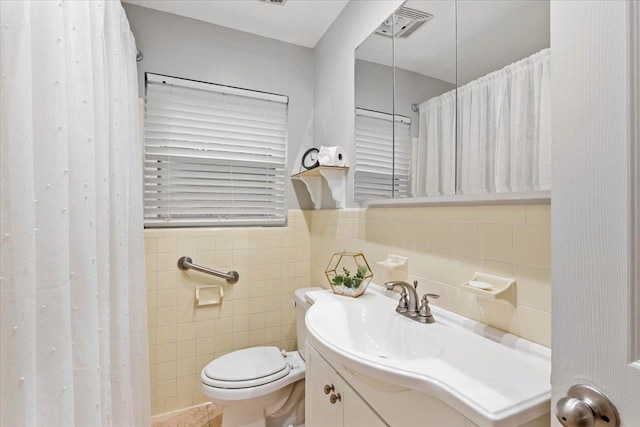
(301, 309)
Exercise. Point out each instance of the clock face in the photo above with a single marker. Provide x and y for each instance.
(310, 158)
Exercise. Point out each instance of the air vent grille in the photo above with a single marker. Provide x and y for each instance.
(416, 15)
(406, 21)
(278, 2)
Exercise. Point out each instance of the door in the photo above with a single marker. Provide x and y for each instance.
(594, 54)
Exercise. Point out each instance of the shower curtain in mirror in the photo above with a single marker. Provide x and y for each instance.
(73, 345)
(503, 133)
(436, 160)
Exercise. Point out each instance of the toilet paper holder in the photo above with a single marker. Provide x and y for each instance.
(209, 295)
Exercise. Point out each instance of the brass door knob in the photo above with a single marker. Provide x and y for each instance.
(335, 398)
(328, 388)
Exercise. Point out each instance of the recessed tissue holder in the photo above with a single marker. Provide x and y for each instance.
(492, 287)
(209, 295)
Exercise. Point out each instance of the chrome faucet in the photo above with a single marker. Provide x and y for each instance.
(409, 308)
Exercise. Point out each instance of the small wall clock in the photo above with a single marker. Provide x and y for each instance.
(310, 159)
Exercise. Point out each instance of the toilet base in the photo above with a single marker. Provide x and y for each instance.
(238, 416)
(253, 412)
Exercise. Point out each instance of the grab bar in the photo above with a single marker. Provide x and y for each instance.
(186, 263)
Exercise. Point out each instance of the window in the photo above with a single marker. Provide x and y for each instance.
(214, 155)
(382, 168)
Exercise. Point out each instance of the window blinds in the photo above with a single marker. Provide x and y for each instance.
(214, 155)
(378, 172)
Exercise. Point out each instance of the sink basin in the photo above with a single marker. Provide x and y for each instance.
(491, 377)
(370, 334)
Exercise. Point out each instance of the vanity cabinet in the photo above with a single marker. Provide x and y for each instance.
(367, 402)
(349, 411)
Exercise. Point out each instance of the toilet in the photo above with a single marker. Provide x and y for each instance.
(258, 384)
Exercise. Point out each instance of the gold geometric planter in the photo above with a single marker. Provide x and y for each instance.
(348, 273)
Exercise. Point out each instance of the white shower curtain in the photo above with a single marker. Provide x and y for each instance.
(503, 133)
(73, 345)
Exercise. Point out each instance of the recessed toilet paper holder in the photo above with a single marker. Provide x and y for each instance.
(209, 295)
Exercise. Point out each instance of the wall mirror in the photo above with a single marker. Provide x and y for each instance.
(470, 100)
(374, 118)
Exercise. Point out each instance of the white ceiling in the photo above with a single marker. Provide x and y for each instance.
(490, 35)
(301, 22)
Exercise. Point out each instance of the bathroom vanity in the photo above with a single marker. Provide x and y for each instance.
(369, 366)
(331, 400)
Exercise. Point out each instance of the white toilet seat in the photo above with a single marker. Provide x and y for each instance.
(250, 388)
(245, 383)
(249, 367)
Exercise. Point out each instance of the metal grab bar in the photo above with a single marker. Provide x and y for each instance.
(186, 263)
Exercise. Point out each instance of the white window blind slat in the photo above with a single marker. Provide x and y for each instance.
(219, 185)
(382, 168)
(185, 217)
(249, 120)
(200, 149)
(212, 114)
(222, 170)
(179, 140)
(214, 155)
(203, 126)
(221, 108)
(206, 204)
(187, 196)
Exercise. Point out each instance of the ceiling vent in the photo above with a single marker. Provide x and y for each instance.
(278, 2)
(405, 22)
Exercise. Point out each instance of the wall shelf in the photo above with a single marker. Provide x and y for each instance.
(527, 197)
(336, 179)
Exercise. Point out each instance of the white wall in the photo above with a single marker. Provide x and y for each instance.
(375, 91)
(334, 74)
(187, 48)
(492, 34)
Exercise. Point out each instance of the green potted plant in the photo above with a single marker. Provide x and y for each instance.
(348, 273)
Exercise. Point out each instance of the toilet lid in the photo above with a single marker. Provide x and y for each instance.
(247, 367)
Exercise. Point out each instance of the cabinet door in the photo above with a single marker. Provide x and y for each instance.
(355, 411)
(350, 411)
(319, 412)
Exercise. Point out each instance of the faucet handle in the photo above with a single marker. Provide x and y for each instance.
(403, 304)
(424, 313)
(432, 296)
